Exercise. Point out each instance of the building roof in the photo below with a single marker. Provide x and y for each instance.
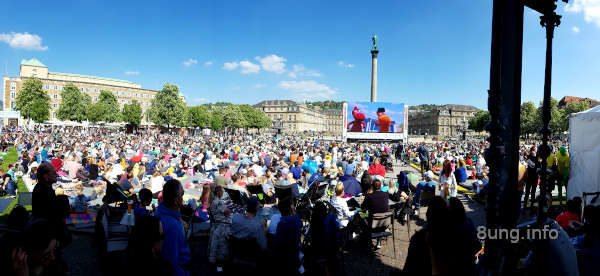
(458, 107)
(90, 77)
(572, 99)
(276, 102)
(33, 62)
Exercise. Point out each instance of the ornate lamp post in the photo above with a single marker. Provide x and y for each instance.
(503, 201)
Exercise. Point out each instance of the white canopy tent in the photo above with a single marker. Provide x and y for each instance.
(584, 150)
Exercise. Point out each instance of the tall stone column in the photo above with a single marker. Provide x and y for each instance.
(374, 53)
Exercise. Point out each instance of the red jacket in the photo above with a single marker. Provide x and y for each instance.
(377, 169)
(57, 164)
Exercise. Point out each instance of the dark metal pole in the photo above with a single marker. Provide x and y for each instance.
(549, 20)
(504, 105)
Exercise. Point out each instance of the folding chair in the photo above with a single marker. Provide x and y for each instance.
(258, 191)
(236, 197)
(244, 254)
(379, 226)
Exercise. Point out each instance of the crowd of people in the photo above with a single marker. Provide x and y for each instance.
(294, 199)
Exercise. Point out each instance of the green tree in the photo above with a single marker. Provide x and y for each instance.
(556, 117)
(132, 113)
(216, 122)
(73, 106)
(32, 101)
(168, 108)
(252, 116)
(106, 109)
(199, 116)
(233, 118)
(529, 118)
(478, 123)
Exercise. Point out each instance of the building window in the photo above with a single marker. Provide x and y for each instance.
(13, 105)
(56, 96)
(13, 86)
(13, 95)
(81, 89)
(46, 86)
(95, 99)
(54, 105)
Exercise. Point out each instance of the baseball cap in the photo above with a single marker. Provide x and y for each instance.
(429, 174)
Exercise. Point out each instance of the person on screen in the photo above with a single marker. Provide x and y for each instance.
(359, 121)
(383, 121)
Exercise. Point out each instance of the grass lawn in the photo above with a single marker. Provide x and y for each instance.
(10, 158)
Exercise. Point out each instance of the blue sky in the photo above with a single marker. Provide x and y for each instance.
(431, 51)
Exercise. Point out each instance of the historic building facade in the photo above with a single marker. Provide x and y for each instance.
(297, 117)
(54, 82)
(443, 121)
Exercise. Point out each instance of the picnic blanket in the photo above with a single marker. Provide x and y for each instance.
(81, 219)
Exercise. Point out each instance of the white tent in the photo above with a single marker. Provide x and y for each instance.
(584, 149)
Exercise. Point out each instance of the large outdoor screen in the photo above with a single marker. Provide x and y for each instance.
(375, 120)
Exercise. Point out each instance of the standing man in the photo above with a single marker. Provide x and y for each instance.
(175, 249)
(423, 157)
(533, 164)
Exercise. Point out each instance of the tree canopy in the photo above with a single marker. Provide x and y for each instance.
(168, 108)
(132, 113)
(253, 117)
(478, 123)
(74, 106)
(32, 101)
(106, 109)
(199, 116)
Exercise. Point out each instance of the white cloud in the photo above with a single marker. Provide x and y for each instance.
(272, 63)
(248, 67)
(575, 29)
(589, 8)
(300, 70)
(208, 63)
(230, 66)
(308, 90)
(132, 73)
(260, 85)
(189, 62)
(25, 41)
(343, 64)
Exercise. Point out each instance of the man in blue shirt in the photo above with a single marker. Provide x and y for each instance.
(351, 185)
(427, 185)
(349, 170)
(296, 171)
(248, 226)
(175, 249)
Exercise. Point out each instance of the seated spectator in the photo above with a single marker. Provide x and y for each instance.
(175, 248)
(587, 245)
(218, 249)
(366, 183)
(324, 236)
(79, 203)
(427, 185)
(377, 201)
(341, 206)
(461, 172)
(377, 168)
(249, 226)
(286, 242)
(7, 184)
(144, 200)
(145, 248)
(351, 185)
(570, 220)
(156, 183)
